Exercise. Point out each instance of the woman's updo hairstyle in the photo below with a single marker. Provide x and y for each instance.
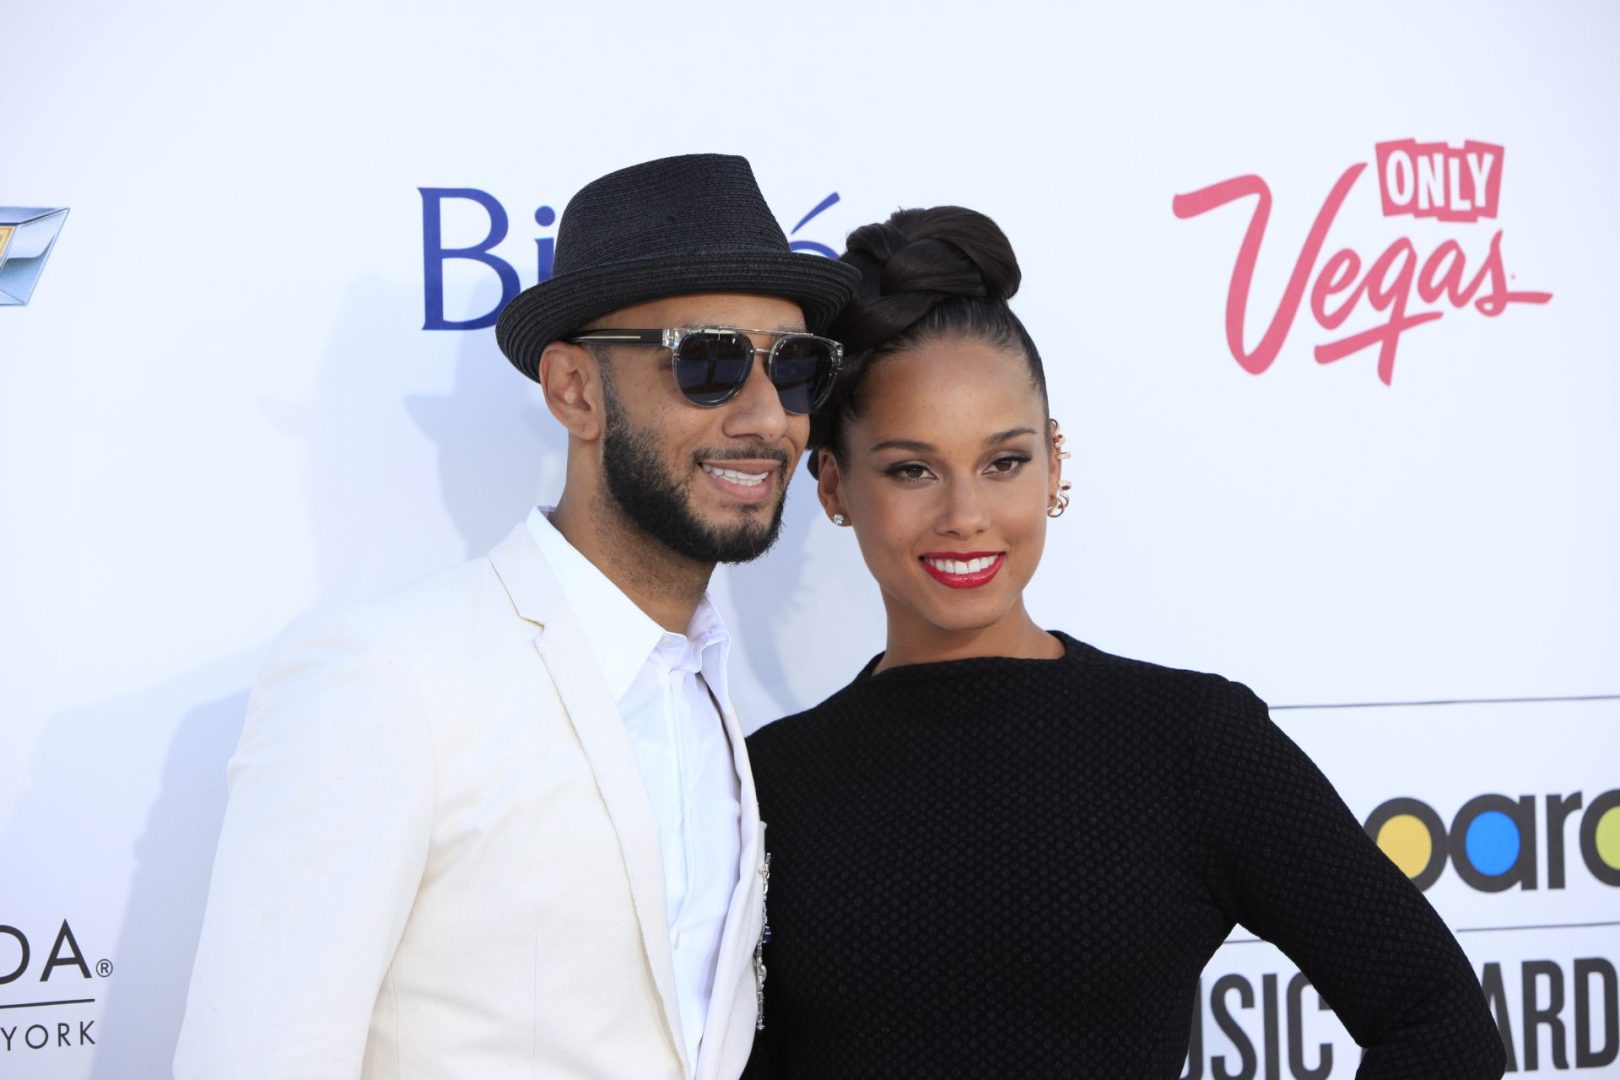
(925, 274)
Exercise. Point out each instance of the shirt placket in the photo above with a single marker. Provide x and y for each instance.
(675, 708)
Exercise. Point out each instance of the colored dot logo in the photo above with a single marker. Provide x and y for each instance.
(1606, 838)
(1492, 842)
(1407, 841)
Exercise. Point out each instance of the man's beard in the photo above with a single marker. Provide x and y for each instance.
(639, 483)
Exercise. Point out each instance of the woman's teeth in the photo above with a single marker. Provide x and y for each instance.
(736, 477)
(958, 566)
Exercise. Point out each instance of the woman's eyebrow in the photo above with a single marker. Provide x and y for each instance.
(917, 447)
(903, 444)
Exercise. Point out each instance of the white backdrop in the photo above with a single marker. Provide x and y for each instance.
(222, 408)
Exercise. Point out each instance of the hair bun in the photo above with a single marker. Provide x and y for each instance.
(917, 259)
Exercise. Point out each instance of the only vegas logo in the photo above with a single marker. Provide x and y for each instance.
(1406, 285)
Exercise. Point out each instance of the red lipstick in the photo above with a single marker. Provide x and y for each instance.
(972, 579)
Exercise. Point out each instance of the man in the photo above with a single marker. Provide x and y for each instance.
(501, 824)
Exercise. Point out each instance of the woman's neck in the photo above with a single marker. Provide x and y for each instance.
(916, 641)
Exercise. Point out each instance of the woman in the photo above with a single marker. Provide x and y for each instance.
(1000, 852)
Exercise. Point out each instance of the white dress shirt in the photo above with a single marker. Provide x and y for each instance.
(662, 683)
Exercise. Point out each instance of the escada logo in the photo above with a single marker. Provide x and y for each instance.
(37, 985)
(1421, 180)
(65, 953)
(435, 254)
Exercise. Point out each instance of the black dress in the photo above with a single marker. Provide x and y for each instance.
(1019, 868)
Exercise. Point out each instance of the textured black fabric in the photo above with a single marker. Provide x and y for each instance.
(679, 225)
(1019, 868)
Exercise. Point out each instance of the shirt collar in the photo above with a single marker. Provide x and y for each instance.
(622, 636)
(713, 642)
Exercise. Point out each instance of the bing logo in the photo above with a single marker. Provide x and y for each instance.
(1492, 840)
(27, 234)
(435, 253)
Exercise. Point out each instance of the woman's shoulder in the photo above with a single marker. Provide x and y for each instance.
(1164, 685)
(1184, 701)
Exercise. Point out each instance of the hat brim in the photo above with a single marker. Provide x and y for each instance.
(541, 314)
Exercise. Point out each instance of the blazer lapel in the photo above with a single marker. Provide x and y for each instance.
(595, 717)
(744, 916)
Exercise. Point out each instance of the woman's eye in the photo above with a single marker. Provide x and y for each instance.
(1008, 465)
(908, 471)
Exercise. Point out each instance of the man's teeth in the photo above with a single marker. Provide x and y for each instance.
(734, 476)
(959, 566)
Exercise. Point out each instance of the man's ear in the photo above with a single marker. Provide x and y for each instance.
(829, 483)
(572, 383)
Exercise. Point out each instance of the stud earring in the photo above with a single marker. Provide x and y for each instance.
(839, 519)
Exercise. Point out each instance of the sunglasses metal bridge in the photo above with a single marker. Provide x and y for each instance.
(672, 338)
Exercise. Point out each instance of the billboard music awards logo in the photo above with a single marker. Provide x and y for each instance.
(27, 235)
(1492, 841)
(1401, 287)
(1556, 1010)
(1566, 1018)
(435, 254)
(40, 989)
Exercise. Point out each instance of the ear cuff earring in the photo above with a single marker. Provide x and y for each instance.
(1060, 501)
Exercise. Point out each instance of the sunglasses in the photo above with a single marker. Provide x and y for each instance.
(712, 363)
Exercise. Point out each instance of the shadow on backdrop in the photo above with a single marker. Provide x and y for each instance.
(494, 443)
(173, 858)
(771, 590)
(77, 804)
(361, 449)
(500, 450)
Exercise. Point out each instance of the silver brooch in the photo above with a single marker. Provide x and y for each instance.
(759, 947)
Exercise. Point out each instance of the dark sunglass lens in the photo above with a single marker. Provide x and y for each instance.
(710, 367)
(802, 372)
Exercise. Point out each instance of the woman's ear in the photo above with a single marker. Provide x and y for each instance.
(1057, 488)
(573, 389)
(829, 484)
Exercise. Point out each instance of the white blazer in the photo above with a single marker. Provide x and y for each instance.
(439, 862)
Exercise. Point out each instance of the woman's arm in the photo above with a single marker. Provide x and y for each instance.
(1288, 860)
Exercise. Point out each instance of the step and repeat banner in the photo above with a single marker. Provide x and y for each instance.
(1327, 299)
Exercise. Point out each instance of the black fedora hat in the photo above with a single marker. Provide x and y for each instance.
(678, 225)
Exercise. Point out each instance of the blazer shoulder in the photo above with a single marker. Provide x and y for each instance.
(418, 606)
(510, 582)
(452, 620)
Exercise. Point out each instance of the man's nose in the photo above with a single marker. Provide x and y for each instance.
(757, 410)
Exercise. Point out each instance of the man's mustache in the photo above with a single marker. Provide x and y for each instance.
(737, 453)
